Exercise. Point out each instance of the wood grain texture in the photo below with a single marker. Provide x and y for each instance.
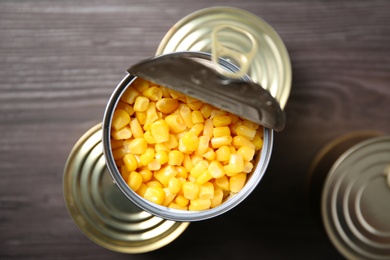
(60, 60)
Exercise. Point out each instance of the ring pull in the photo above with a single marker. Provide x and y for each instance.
(218, 50)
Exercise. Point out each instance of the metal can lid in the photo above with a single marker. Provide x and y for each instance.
(270, 66)
(101, 211)
(356, 201)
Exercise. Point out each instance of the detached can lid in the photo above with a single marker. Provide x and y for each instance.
(356, 201)
(101, 211)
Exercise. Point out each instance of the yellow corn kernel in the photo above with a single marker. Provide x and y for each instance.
(165, 92)
(161, 156)
(181, 172)
(190, 190)
(137, 157)
(203, 177)
(236, 163)
(234, 118)
(161, 147)
(154, 165)
(193, 103)
(206, 191)
(196, 159)
(221, 120)
(246, 132)
(199, 204)
(168, 198)
(126, 107)
(217, 142)
(223, 154)
(234, 126)
(203, 145)
(136, 128)
(174, 185)
(141, 117)
(116, 143)
(142, 189)
(185, 113)
(176, 123)
(199, 168)
(175, 157)
(223, 183)
(134, 181)
(124, 172)
(187, 163)
(246, 153)
(141, 103)
(120, 119)
(130, 95)
(119, 153)
(140, 84)
(248, 167)
(239, 141)
(165, 174)
(197, 129)
(208, 128)
(216, 169)
(218, 197)
(154, 183)
(197, 117)
(250, 124)
(258, 141)
(233, 150)
(172, 142)
(206, 110)
(237, 182)
(217, 112)
(190, 141)
(209, 154)
(181, 200)
(160, 131)
(151, 115)
(155, 195)
(177, 95)
(130, 162)
(173, 205)
(146, 175)
(119, 162)
(153, 93)
(149, 138)
(121, 134)
(135, 146)
(147, 156)
(221, 131)
(167, 105)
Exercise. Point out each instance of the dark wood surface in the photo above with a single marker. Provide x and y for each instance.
(60, 60)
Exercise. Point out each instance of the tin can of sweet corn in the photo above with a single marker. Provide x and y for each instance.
(349, 186)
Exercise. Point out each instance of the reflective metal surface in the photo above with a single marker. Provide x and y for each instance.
(270, 66)
(356, 201)
(101, 211)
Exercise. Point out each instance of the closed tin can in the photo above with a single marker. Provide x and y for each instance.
(355, 194)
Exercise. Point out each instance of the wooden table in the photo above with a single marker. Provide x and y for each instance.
(60, 60)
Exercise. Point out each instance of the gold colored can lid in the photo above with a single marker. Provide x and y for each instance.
(101, 211)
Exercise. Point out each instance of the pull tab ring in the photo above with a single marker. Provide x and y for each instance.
(218, 50)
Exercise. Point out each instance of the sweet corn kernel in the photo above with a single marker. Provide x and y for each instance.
(165, 92)
(217, 112)
(199, 204)
(135, 146)
(173, 205)
(172, 142)
(196, 159)
(165, 174)
(246, 153)
(119, 153)
(175, 157)
(141, 117)
(190, 141)
(124, 172)
(146, 175)
(223, 183)
(203, 145)
(199, 168)
(187, 163)
(153, 93)
(167, 105)
(181, 172)
(136, 128)
(147, 156)
(206, 110)
(209, 154)
(206, 190)
(160, 131)
(130, 162)
(193, 103)
(246, 131)
(258, 141)
(181, 200)
(116, 143)
(221, 131)
(248, 167)
(208, 128)
(120, 119)
(168, 198)
(174, 185)
(203, 177)
(140, 84)
(141, 103)
(142, 189)
(154, 183)
(197, 129)
(221, 120)
(216, 169)
(154, 165)
(130, 95)
(218, 197)
(177, 95)
(149, 138)
(151, 115)
(237, 182)
(154, 194)
(121, 134)
(233, 150)
(185, 113)
(161, 147)
(176, 123)
(217, 142)
(126, 107)
(223, 154)
(134, 180)
(190, 190)
(197, 117)
(161, 156)
(239, 141)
